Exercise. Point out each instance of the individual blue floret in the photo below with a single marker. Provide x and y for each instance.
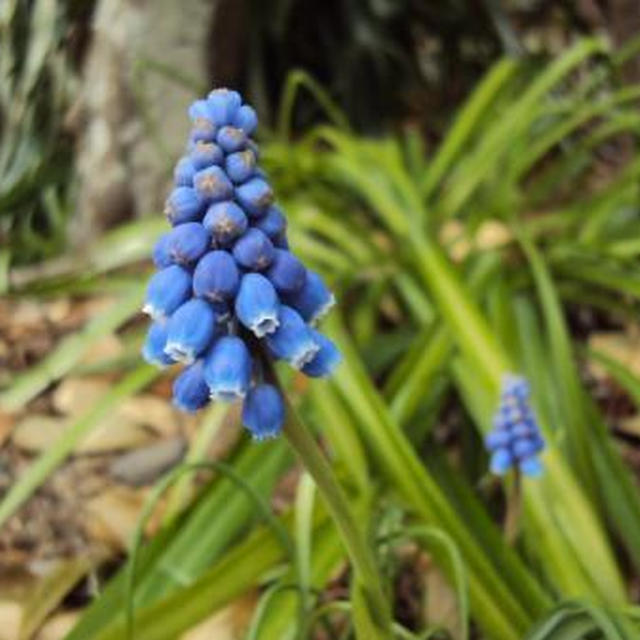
(263, 412)
(185, 244)
(255, 196)
(325, 360)
(246, 119)
(253, 250)
(190, 390)
(286, 272)
(257, 305)
(166, 291)
(223, 104)
(190, 330)
(160, 253)
(292, 340)
(227, 369)
(225, 221)
(201, 116)
(515, 439)
(313, 300)
(183, 205)
(212, 185)
(205, 154)
(184, 172)
(231, 139)
(240, 165)
(153, 348)
(272, 223)
(216, 277)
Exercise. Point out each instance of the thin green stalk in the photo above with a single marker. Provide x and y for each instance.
(361, 556)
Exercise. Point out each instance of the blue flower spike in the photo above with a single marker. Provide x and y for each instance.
(229, 294)
(515, 440)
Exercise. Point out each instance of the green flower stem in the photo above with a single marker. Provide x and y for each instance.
(359, 551)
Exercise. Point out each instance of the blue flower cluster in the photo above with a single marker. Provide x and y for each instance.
(516, 439)
(228, 290)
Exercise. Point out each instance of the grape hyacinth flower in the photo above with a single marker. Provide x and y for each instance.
(515, 440)
(229, 295)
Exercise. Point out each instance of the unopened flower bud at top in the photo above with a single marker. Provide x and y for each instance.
(216, 277)
(166, 291)
(257, 305)
(223, 104)
(253, 250)
(245, 118)
(225, 221)
(190, 330)
(263, 412)
(227, 369)
(292, 340)
(190, 390)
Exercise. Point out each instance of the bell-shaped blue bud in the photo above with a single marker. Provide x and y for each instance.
(286, 272)
(190, 330)
(166, 291)
(245, 118)
(223, 104)
(225, 221)
(231, 139)
(501, 461)
(153, 348)
(183, 205)
(255, 196)
(314, 298)
(263, 412)
(253, 250)
(326, 360)
(240, 165)
(204, 127)
(212, 185)
(205, 154)
(257, 305)
(292, 340)
(272, 223)
(216, 277)
(531, 467)
(160, 254)
(184, 172)
(186, 243)
(190, 390)
(227, 369)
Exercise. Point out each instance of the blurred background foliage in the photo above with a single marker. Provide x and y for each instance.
(466, 176)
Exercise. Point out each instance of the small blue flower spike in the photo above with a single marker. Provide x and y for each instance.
(229, 294)
(263, 412)
(516, 439)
